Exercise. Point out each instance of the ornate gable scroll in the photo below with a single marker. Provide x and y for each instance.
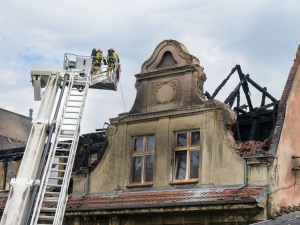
(170, 79)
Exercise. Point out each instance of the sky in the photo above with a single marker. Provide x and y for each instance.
(262, 36)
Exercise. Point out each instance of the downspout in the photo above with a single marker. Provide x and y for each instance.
(245, 175)
(87, 183)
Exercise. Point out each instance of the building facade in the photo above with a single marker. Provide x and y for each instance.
(170, 159)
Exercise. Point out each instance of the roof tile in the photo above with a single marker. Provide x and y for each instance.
(156, 198)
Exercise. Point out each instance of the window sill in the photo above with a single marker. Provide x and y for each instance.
(184, 182)
(138, 185)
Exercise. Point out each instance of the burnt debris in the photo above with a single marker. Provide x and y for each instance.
(253, 123)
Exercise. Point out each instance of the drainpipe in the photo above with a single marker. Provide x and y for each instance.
(87, 183)
(245, 175)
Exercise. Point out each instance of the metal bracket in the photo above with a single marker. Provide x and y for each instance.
(21, 181)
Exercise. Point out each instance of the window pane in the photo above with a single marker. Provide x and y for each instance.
(194, 164)
(137, 169)
(180, 158)
(149, 168)
(138, 144)
(181, 139)
(195, 138)
(150, 142)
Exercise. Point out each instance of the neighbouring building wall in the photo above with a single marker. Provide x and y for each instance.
(14, 126)
(285, 176)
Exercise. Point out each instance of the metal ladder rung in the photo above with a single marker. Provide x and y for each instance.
(66, 135)
(63, 149)
(76, 89)
(61, 156)
(68, 130)
(56, 170)
(48, 193)
(69, 124)
(50, 200)
(44, 209)
(64, 143)
(56, 178)
(70, 100)
(60, 164)
(78, 95)
(74, 106)
(72, 112)
(71, 118)
(79, 82)
(46, 217)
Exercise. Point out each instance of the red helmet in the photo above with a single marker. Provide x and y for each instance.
(112, 49)
(99, 50)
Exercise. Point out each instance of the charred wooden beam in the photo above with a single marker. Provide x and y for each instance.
(238, 109)
(223, 82)
(263, 98)
(208, 96)
(237, 130)
(238, 99)
(261, 90)
(266, 106)
(230, 99)
(253, 130)
(245, 87)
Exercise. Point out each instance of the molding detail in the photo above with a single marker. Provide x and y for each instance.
(167, 60)
(201, 78)
(165, 92)
(111, 130)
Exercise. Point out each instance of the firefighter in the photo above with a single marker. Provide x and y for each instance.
(97, 60)
(111, 57)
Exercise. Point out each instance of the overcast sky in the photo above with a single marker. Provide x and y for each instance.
(261, 35)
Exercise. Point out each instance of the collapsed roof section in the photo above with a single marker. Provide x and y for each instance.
(254, 127)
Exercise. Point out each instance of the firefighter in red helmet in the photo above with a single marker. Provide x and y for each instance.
(97, 60)
(111, 57)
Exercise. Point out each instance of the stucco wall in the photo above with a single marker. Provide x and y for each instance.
(285, 189)
(219, 164)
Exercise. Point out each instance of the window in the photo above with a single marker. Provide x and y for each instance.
(187, 154)
(143, 159)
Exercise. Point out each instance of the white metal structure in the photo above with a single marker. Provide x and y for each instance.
(52, 145)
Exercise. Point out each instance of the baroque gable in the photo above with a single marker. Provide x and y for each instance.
(171, 78)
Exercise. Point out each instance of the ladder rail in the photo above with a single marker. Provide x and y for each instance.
(58, 219)
(47, 170)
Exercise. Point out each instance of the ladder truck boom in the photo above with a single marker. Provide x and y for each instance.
(39, 193)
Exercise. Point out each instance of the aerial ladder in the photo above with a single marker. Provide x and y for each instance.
(39, 193)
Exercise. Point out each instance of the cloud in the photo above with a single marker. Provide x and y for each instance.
(261, 36)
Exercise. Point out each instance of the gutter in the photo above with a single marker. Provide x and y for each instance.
(164, 205)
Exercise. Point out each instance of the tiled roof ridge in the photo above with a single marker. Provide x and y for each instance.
(289, 83)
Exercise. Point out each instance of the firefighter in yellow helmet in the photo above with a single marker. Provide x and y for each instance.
(111, 57)
(97, 60)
